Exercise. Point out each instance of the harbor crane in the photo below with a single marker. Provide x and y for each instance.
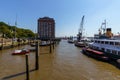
(80, 32)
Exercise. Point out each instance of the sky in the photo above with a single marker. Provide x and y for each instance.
(66, 13)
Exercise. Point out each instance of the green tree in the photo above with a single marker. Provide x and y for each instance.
(12, 31)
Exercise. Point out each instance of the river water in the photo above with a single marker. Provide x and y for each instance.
(66, 62)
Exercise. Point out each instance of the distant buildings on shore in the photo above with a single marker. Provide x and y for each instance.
(46, 28)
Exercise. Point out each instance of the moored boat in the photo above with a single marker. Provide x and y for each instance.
(42, 43)
(95, 54)
(79, 44)
(21, 52)
(111, 48)
(70, 41)
(83, 42)
(105, 43)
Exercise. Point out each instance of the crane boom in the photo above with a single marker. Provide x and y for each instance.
(80, 29)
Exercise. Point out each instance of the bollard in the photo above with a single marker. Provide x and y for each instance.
(27, 67)
(36, 56)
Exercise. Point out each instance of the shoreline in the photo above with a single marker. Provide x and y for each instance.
(8, 45)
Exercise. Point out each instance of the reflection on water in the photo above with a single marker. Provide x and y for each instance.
(65, 63)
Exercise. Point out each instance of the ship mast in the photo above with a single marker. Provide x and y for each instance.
(102, 28)
(15, 27)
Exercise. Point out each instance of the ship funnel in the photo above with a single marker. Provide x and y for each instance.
(109, 33)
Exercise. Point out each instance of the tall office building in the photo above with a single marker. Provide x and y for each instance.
(46, 28)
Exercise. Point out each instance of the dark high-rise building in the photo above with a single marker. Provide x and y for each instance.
(46, 28)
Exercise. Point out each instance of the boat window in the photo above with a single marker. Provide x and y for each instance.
(97, 48)
(108, 50)
(116, 43)
(118, 52)
(95, 41)
(103, 49)
(106, 42)
(114, 51)
(98, 41)
(102, 42)
(111, 43)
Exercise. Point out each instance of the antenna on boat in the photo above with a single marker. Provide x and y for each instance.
(102, 28)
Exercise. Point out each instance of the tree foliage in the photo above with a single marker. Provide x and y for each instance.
(10, 31)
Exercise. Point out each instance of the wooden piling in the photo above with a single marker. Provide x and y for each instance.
(37, 56)
(27, 67)
(53, 45)
(50, 46)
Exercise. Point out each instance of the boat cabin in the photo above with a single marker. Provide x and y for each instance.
(106, 45)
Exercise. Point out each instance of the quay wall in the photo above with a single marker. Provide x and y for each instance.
(9, 43)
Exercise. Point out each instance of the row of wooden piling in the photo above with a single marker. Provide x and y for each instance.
(37, 57)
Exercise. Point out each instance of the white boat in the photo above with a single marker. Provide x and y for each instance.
(70, 41)
(21, 52)
(82, 43)
(106, 43)
(110, 47)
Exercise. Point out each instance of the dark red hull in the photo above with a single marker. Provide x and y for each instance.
(95, 54)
